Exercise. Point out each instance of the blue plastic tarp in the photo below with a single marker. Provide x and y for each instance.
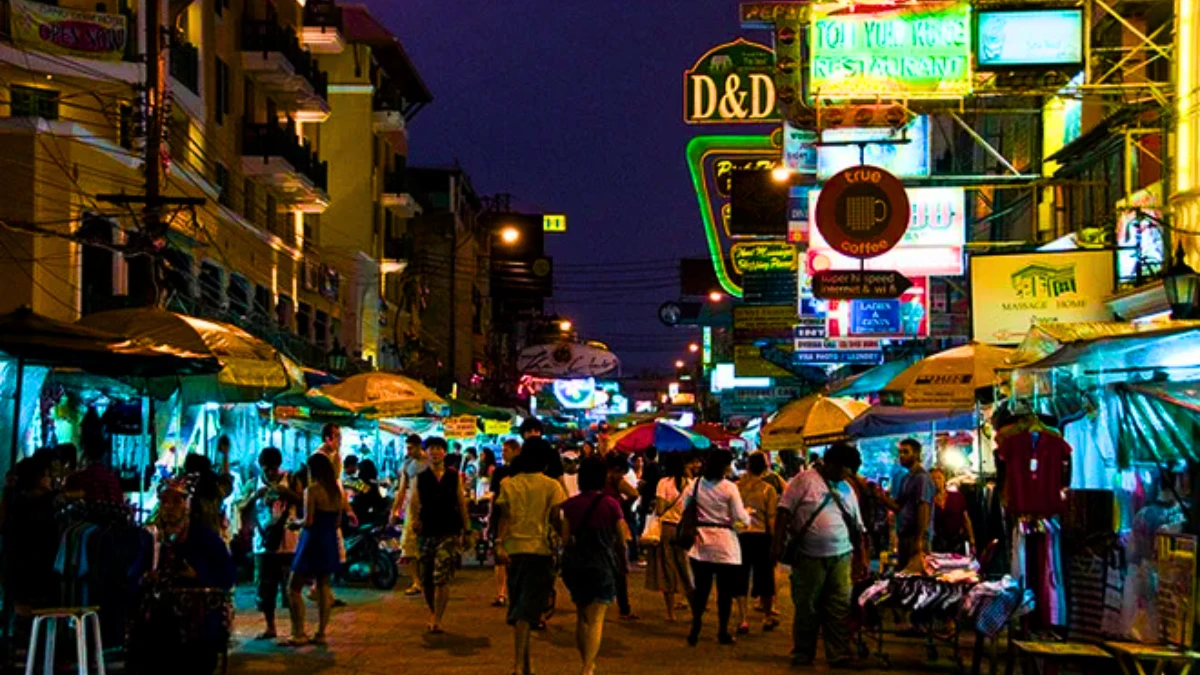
(884, 420)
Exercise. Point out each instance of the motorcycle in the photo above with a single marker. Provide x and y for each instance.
(368, 559)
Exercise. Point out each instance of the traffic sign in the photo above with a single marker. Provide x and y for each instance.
(859, 285)
(863, 212)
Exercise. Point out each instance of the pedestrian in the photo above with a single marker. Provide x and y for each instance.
(570, 460)
(716, 555)
(442, 524)
(530, 428)
(952, 531)
(317, 556)
(593, 529)
(274, 499)
(368, 503)
(529, 510)
(414, 463)
(349, 469)
(667, 571)
(914, 509)
(331, 447)
(815, 534)
(618, 487)
(761, 501)
(508, 452)
(207, 505)
(95, 481)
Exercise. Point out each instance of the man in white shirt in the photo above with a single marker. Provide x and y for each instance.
(820, 521)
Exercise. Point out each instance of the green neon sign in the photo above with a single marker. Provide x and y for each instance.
(699, 150)
(918, 52)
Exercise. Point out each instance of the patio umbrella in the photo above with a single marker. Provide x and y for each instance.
(719, 435)
(950, 379)
(380, 395)
(665, 437)
(813, 420)
(251, 369)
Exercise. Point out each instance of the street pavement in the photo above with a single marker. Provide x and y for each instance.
(381, 633)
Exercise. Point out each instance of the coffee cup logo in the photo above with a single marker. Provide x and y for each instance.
(863, 212)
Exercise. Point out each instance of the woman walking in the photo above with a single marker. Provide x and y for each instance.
(667, 569)
(594, 529)
(761, 501)
(317, 551)
(716, 554)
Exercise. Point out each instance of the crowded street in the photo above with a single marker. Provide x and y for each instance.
(366, 337)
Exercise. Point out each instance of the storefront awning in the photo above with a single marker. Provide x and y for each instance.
(884, 420)
(1110, 345)
(874, 380)
(1157, 421)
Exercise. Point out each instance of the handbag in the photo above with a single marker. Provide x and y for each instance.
(652, 530)
(689, 524)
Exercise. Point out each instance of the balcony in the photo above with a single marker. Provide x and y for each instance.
(272, 55)
(322, 32)
(397, 252)
(389, 119)
(274, 154)
(185, 65)
(395, 195)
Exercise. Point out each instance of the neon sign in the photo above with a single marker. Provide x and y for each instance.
(921, 52)
(733, 83)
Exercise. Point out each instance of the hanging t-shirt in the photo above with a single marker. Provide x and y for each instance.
(1034, 473)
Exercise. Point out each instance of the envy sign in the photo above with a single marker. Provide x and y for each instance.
(733, 83)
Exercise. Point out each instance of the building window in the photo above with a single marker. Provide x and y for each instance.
(221, 177)
(321, 330)
(273, 218)
(283, 312)
(304, 321)
(224, 104)
(33, 102)
(262, 303)
(249, 201)
(239, 295)
(212, 290)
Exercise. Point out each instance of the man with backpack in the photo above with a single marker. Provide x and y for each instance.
(273, 498)
(819, 520)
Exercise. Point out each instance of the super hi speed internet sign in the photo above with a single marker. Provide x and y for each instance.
(918, 51)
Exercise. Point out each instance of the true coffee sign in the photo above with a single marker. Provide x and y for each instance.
(733, 83)
(863, 212)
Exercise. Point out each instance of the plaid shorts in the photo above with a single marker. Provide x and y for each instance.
(440, 557)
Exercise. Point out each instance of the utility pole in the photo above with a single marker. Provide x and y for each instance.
(153, 232)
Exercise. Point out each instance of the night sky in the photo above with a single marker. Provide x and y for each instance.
(576, 107)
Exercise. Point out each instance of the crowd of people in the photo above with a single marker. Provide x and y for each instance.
(583, 516)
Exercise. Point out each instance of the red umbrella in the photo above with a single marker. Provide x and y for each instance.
(719, 435)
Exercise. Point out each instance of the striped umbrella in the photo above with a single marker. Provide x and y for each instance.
(665, 437)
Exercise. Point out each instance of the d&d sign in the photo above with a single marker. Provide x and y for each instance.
(732, 83)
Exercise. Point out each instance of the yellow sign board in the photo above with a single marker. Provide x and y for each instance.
(461, 427)
(554, 222)
(497, 427)
(748, 362)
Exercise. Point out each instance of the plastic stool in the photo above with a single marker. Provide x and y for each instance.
(81, 617)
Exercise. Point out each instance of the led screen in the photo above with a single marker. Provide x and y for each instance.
(1036, 37)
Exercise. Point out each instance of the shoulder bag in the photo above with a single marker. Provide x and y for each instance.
(652, 531)
(689, 524)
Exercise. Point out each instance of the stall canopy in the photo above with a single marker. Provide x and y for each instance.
(251, 369)
(481, 410)
(660, 435)
(813, 420)
(949, 379)
(1156, 421)
(874, 380)
(1109, 345)
(882, 420)
(380, 395)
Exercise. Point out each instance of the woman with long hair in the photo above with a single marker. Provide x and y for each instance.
(667, 567)
(716, 553)
(317, 551)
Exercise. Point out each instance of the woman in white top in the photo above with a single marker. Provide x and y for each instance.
(716, 554)
(667, 564)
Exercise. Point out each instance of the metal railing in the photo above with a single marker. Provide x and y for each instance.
(185, 65)
(272, 140)
(267, 36)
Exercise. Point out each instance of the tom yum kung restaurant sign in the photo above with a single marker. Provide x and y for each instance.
(918, 51)
(733, 83)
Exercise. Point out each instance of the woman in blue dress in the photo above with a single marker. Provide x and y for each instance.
(317, 551)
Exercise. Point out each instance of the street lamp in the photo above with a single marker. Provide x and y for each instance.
(510, 235)
(716, 296)
(565, 325)
(1180, 285)
(680, 364)
(694, 348)
(781, 174)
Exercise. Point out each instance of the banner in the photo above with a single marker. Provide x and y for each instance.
(58, 30)
(1010, 293)
(497, 427)
(461, 427)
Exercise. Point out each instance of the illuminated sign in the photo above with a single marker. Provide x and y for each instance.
(575, 394)
(554, 223)
(1033, 37)
(904, 317)
(733, 83)
(906, 160)
(767, 256)
(800, 149)
(863, 212)
(767, 14)
(1141, 250)
(724, 377)
(1010, 293)
(932, 245)
(712, 161)
(917, 52)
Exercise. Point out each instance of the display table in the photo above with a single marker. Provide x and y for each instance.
(1033, 654)
(1134, 658)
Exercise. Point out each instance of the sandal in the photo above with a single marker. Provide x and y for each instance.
(743, 629)
(500, 601)
(266, 635)
(770, 624)
(632, 616)
(295, 641)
